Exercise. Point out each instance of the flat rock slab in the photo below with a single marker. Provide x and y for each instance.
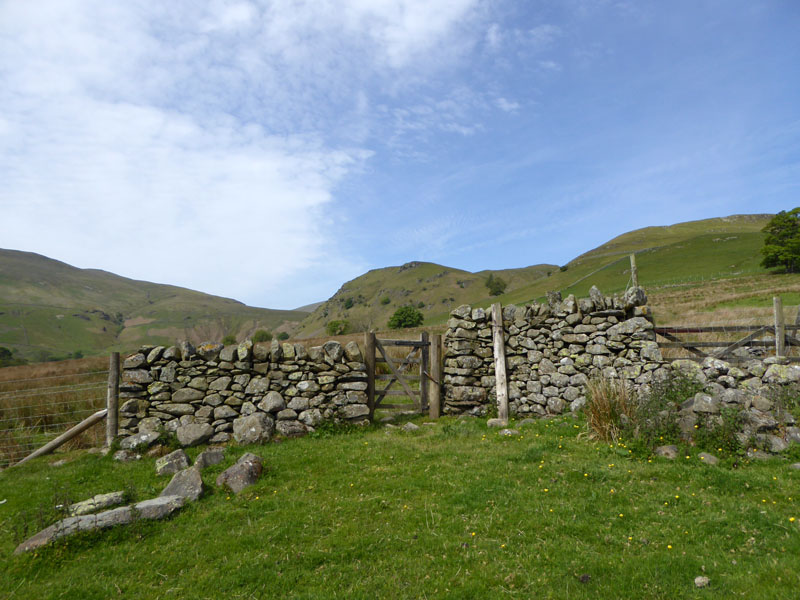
(410, 427)
(140, 441)
(499, 423)
(244, 473)
(194, 434)
(157, 508)
(187, 484)
(95, 503)
(172, 463)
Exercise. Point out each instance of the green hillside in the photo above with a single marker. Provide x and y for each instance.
(369, 300)
(49, 307)
(695, 251)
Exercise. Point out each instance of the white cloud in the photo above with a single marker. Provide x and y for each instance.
(494, 36)
(197, 145)
(507, 105)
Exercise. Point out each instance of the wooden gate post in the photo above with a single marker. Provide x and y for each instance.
(424, 370)
(435, 378)
(500, 362)
(112, 399)
(780, 331)
(369, 360)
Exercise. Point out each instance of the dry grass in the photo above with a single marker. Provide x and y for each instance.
(725, 302)
(609, 403)
(40, 401)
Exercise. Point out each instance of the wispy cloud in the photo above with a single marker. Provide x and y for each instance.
(200, 144)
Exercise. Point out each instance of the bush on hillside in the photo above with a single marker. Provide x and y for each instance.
(339, 327)
(7, 358)
(406, 316)
(229, 340)
(262, 335)
(283, 336)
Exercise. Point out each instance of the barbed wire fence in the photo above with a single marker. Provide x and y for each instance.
(35, 410)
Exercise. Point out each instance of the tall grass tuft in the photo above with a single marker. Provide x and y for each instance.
(610, 408)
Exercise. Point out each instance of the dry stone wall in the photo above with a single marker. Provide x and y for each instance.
(551, 350)
(213, 393)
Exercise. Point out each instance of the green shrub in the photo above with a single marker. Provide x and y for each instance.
(229, 340)
(348, 303)
(405, 316)
(262, 335)
(420, 304)
(385, 300)
(717, 433)
(283, 336)
(563, 268)
(495, 285)
(339, 327)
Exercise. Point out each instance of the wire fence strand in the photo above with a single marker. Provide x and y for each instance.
(36, 410)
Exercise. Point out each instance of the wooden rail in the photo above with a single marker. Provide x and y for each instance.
(780, 331)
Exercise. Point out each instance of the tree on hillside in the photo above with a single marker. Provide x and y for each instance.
(405, 316)
(495, 285)
(782, 244)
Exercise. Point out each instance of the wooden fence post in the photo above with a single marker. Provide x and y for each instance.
(424, 372)
(112, 399)
(500, 362)
(634, 271)
(369, 360)
(780, 331)
(435, 379)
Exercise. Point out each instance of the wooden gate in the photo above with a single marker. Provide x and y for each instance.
(411, 371)
(781, 337)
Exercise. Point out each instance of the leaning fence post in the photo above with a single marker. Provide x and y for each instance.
(780, 330)
(112, 399)
(634, 272)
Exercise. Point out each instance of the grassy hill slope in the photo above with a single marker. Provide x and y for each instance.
(695, 251)
(369, 300)
(49, 306)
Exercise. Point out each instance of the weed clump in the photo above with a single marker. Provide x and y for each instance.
(610, 408)
(653, 418)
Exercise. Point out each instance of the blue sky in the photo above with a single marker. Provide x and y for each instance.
(270, 151)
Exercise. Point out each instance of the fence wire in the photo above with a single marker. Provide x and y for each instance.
(36, 410)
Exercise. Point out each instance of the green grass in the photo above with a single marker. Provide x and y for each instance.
(451, 511)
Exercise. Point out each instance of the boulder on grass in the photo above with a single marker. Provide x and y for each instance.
(187, 484)
(253, 429)
(244, 473)
(172, 463)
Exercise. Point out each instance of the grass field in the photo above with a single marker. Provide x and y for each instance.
(451, 511)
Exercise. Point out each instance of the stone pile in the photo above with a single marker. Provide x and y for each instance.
(551, 350)
(214, 393)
